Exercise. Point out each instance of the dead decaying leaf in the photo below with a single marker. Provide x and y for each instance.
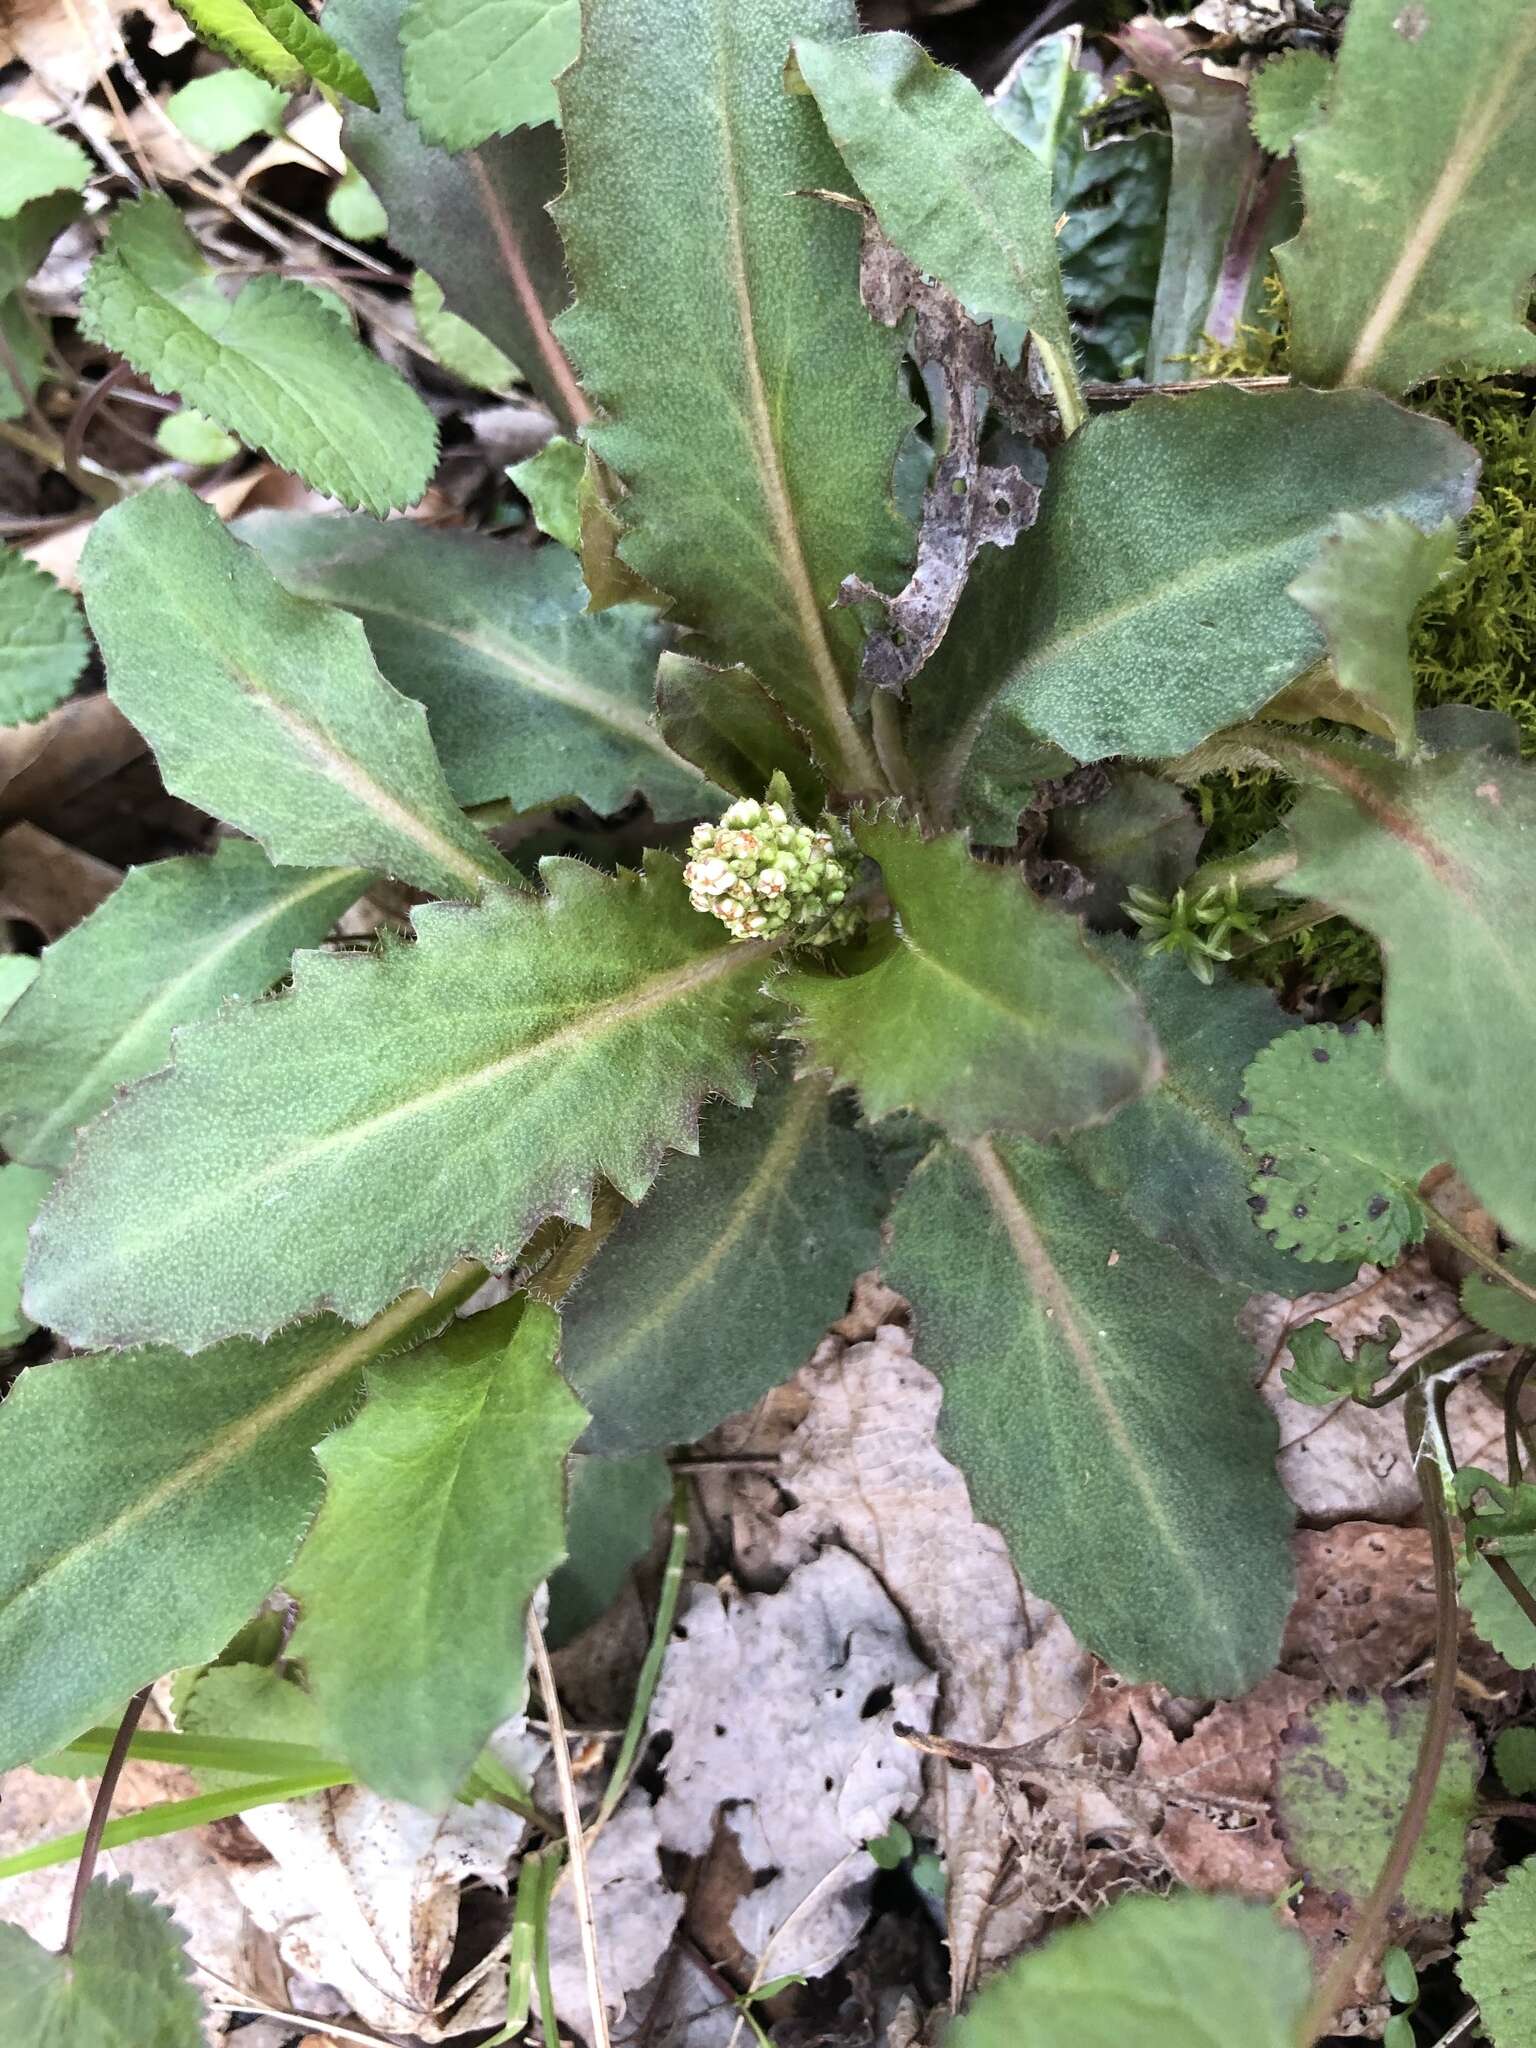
(785, 1705)
(67, 44)
(47, 884)
(968, 504)
(635, 1914)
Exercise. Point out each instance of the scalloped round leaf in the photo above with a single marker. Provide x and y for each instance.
(1497, 1960)
(1287, 95)
(43, 645)
(128, 1978)
(1339, 1154)
(1499, 1308)
(1339, 1792)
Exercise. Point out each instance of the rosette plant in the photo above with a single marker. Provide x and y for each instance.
(923, 638)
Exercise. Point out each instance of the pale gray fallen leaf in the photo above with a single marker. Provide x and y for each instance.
(635, 1914)
(786, 1704)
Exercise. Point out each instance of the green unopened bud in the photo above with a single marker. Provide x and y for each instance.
(762, 872)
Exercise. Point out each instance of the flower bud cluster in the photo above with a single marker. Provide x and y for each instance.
(762, 872)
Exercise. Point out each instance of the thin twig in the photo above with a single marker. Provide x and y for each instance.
(1335, 1983)
(570, 1809)
(101, 1806)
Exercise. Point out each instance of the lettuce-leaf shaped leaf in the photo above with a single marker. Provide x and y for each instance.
(750, 408)
(267, 710)
(1099, 1400)
(172, 943)
(979, 1006)
(444, 1512)
(397, 1111)
(271, 366)
(1416, 250)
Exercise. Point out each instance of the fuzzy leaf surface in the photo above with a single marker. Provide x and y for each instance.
(528, 695)
(1163, 1972)
(1141, 831)
(271, 366)
(267, 710)
(125, 1984)
(1339, 1154)
(172, 943)
(1098, 1399)
(34, 162)
(476, 221)
(1417, 248)
(1495, 1963)
(1499, 1308)
(551, 482)
(1176, 1158)
(1285, 96)
(444, 1511)
(725, 722)
(949, 186)
(610, 1520)
(751, 408)
(43, 647)
(129, 1553)
(983, 1008)
(473, 71)
(1175, 620)
(721, 1283)
(1339, 1791)
(1431, 860)
(22, 1189)
(397, 1111)
(1362, 590)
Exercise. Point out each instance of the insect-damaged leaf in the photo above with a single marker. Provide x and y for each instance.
(267, 710)
(979, 1006)
(400, 1110)
(718, 1286)
(529, 695)
(444, 1511)
(1166, 628)
(170, 944)
(271, 365)
(1098, 1399)
(1417, 249)
(127, 1553)
(752, 411)
(1432, 860)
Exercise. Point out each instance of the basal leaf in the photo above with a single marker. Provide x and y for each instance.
(950, 187)
(43, 647)
(398, 1111)
(1168, 628)
(477, 221)
(1499, 1308)
(461, 349)
(22, 1189)
(34, 162)
(1338, 1155)
(1286, 96)
(473, 71)
(1140, 832)
(1175, 1157)
(1320, 1375)
(18, 971)
(980, 1007)
(270, 365)
(125, 1984)
(1431, 859)
(1503, 1528)
(1416, 251)
(129, 1552)
(1362, 590)
(751, 409)
(230, 27)
(610, 1520)
(265, 709)
(1495, 1962)
(444, 1511)
(529, 695)
(1514, 1758)
(1339, 1792)
(190, 436)
(225, 108)
(727, 725)
(1162, 1972)
(168, 946)
(551, 482)
(24, 241)
(1098, 1399)
(352, 208)
(720, 1284)
(322, 58)
(1108, 199)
